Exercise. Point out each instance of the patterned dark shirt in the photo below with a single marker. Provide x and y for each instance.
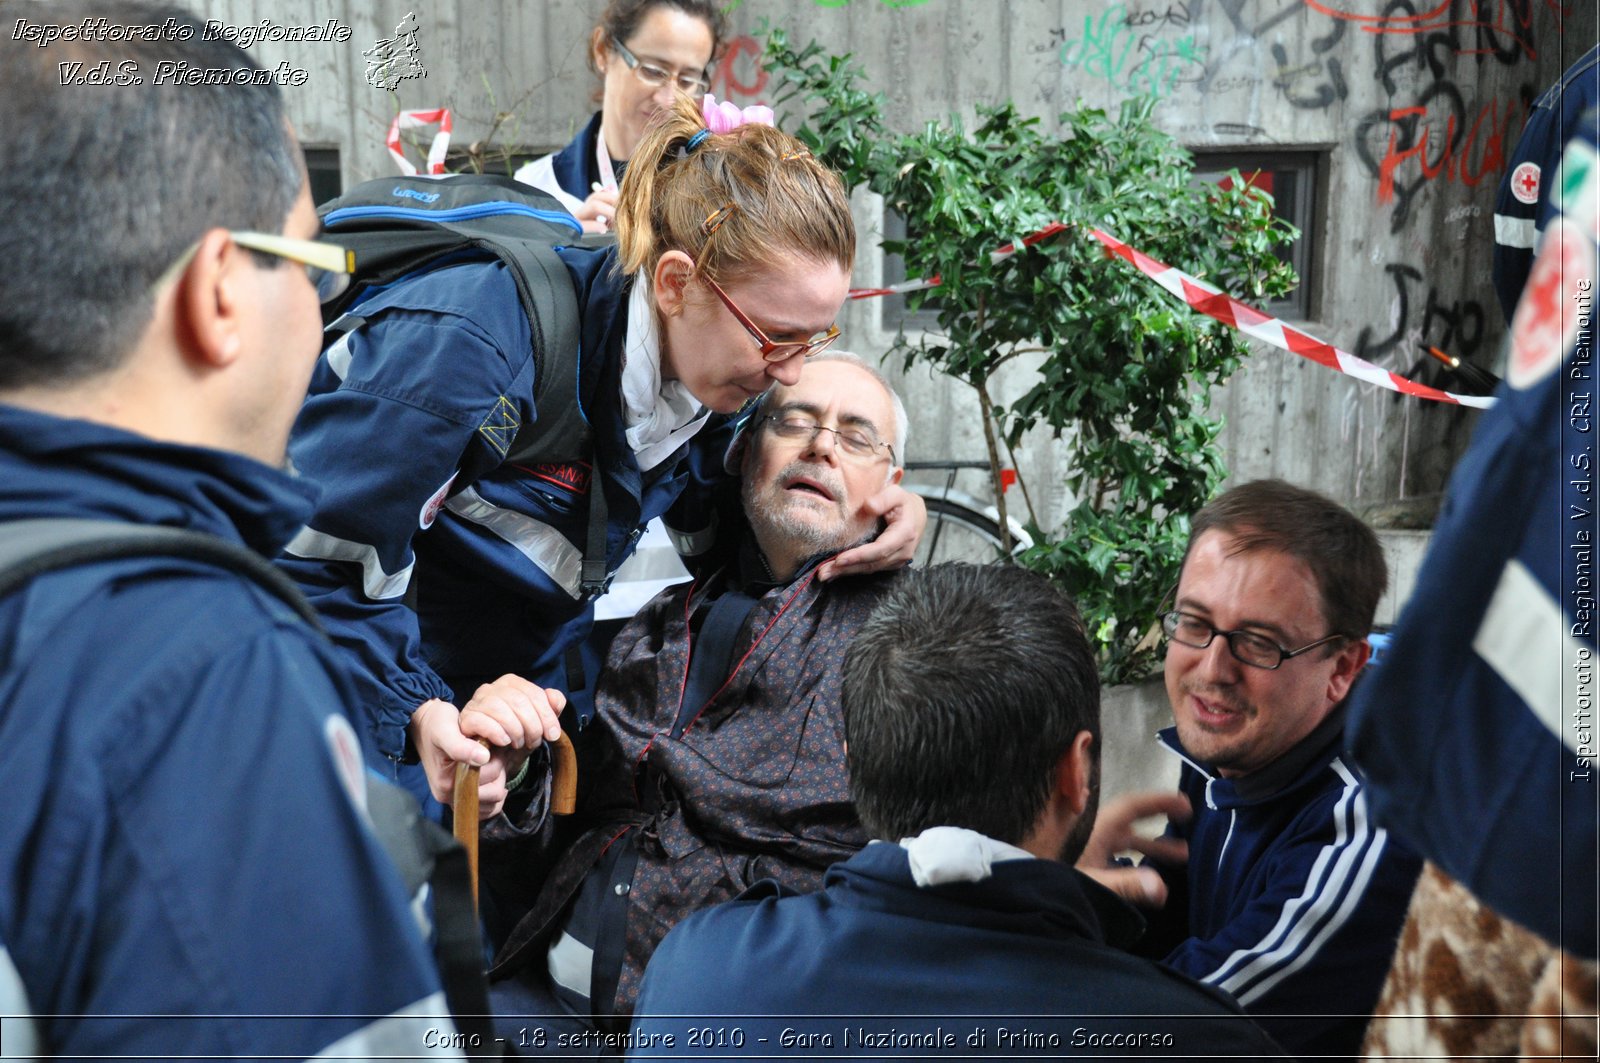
(683, 805)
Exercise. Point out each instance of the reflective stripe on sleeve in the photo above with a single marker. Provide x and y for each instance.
(546, 547)
(1514, 232)
(376, 584)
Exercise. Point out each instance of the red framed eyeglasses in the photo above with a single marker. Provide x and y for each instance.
(771, 351)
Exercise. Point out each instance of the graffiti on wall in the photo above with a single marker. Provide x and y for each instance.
(1315, 84)
(1502, 28)
(1436, 137)
(1508, 35)
(1431, 131)
(1119, 47)
(739, 74)
(1453, 324)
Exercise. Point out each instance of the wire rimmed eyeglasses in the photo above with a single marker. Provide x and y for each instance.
(856, 443)
(1247, 647)
(655, 76)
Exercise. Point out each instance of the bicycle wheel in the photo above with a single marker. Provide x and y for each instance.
(956, 533)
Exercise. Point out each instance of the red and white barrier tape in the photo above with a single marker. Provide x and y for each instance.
(1199, 295)
(994, 256)
(1252, 322)
(415, 119)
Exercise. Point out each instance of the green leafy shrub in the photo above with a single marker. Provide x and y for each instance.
(1124, 369)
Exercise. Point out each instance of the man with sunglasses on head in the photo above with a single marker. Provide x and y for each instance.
(187, 869)
(1292, 898)
(716, 755)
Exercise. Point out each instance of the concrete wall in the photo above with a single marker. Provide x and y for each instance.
(1414, 111)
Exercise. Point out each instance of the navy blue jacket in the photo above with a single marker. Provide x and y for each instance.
(1523, 205)
(1293, 898)
(1029, 956)
(1478, 731)
(574, 165)
(184, 832)
(571, 173)
(407, 427)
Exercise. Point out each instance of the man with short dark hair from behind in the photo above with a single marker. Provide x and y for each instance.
(972, 717)
(186, 866)
(1292, 898)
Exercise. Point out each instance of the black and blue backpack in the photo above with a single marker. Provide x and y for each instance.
(402, 227)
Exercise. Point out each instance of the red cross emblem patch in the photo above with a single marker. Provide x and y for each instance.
(1546, 322)
(1525, 183)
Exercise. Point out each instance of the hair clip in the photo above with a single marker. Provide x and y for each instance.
(789, 156)
(725, 117)
(694, 141)
(715, 219)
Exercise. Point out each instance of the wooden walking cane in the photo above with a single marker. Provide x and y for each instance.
(464, 805)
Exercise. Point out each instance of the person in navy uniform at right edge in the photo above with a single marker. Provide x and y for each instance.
(1523, 205)
(1292, 898)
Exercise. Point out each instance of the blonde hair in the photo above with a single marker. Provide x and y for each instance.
(735, 200)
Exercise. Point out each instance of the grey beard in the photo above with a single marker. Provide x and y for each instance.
(774, 523)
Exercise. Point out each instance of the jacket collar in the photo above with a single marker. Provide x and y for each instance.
(574, 165)
(1300, 765)
(1043, 898)
(59, 467)
(603, 296)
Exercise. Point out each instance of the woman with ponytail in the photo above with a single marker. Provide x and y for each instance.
(451, 574)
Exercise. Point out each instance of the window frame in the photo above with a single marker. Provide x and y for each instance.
(1307, 210)
(324, 171)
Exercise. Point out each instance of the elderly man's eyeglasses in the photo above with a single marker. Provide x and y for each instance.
(855, 443)
(1247, 647)
(656, 76)
(328, 266)
(771, 351)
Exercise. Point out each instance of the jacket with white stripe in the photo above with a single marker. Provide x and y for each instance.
(187, 870)
(1523, 205)
(407, 427)
(1293, 899)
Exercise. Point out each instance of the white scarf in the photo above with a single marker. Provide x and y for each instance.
(660, 415)
(956, 854)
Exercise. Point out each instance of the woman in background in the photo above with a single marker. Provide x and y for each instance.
(645, 52)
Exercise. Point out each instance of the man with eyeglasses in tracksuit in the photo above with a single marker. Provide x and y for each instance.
(1292, 898)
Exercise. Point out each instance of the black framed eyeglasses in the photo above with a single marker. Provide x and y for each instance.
(1247, 647)
(655, 76)
(856, 443)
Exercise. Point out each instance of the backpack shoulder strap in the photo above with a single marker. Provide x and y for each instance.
(31, 548)
(561, 431)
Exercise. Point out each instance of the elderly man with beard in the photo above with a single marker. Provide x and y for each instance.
(716, 756)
